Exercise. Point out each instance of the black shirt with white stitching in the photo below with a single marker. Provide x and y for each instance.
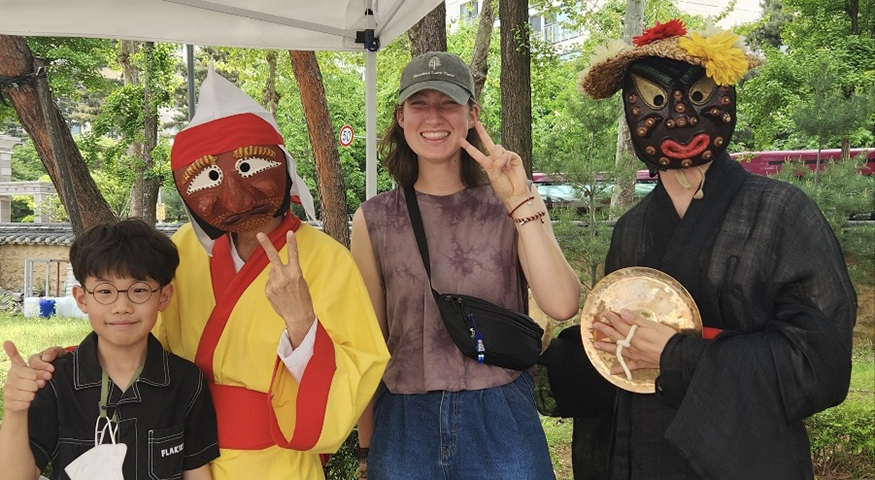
(166, 417)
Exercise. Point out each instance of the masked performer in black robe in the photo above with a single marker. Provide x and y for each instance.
(758, 257)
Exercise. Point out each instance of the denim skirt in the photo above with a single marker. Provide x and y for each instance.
(487, 434)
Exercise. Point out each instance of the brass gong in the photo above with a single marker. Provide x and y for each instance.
(652, 294)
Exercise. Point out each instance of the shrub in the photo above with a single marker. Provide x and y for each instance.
(843, 437)
(842, 194)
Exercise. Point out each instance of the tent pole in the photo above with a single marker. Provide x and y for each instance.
(189, 60)
(371, 123)
(372, 44)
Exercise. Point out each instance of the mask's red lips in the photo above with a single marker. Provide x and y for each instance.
(673, 149)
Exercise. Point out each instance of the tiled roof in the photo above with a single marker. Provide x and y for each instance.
(52, 233)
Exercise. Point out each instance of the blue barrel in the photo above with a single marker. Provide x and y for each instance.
(46, 307)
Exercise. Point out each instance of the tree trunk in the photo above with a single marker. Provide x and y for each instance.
(144, 194)
(332, 188)
(846, 148)
(130, 73)
(516, 80)
(430, 33)
(852, 8)
(624, 191)
(479, 64)
(144, 191)
(271, 96)
(131, 76)
(16, 59)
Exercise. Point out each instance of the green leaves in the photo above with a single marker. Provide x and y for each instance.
(804, 40)
(829, 114)
(841, 193)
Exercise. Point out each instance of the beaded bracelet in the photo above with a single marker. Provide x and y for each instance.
(528, 200)
(537, 216)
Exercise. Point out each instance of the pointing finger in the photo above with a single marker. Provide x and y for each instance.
(484, 137)
(269, 250)
(473, 151)
(292, 247)
(13, 354)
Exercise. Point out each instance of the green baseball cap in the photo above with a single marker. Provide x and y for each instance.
(441, 71)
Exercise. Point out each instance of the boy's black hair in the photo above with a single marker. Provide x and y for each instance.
(127, 248)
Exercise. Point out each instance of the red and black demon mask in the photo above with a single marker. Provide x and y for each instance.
(677, 116)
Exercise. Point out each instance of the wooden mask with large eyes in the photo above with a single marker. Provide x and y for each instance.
(677, 116)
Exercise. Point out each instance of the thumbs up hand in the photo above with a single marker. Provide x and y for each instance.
(21, 382)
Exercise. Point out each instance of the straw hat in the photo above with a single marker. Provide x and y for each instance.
(723, 54)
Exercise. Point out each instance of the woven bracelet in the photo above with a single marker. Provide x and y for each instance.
(524, 220)
(528, 200)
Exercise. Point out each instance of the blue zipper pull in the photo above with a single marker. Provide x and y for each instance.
(481, 349)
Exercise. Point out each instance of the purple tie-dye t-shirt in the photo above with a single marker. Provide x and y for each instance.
(473, 248)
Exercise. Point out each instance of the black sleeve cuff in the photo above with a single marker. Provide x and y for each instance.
(676, 367)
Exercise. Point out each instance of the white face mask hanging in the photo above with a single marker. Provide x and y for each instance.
(105, 460)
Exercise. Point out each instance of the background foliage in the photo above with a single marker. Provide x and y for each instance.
(785, 104)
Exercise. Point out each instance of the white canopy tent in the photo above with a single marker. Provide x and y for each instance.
(353, 25)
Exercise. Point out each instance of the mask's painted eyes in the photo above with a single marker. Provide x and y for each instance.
(250, 166)
(652, 94)
(209, 177)
(702, 90)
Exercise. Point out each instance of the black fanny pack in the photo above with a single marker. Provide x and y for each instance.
(481, 330)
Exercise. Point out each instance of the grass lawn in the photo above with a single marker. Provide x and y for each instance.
(32, 335)
(558, 432)
(843, 438)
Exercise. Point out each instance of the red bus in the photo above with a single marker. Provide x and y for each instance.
(769, 163)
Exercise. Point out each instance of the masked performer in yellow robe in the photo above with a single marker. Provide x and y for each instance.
(272, 310)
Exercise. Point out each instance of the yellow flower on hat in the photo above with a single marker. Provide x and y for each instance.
(725, 62)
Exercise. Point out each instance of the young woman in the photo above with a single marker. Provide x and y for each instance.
(438, 413)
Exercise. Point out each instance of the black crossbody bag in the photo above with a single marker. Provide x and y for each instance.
(482, 330)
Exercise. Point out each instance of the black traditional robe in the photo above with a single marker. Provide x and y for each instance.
(762, 264)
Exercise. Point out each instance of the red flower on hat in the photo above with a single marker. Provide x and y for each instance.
(671, 28)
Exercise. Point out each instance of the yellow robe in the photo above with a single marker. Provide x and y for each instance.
(245, 354)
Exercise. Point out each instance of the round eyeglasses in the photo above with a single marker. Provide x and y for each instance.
(107, 293)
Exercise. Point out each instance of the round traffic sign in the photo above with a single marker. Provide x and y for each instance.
(347, 135)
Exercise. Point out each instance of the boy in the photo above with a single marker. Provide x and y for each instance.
(119, 386)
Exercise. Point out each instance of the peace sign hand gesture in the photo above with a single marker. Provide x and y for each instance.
(22, 382)
(503, 167)
(287, 290)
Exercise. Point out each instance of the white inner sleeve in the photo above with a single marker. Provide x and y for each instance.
(297, 359)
